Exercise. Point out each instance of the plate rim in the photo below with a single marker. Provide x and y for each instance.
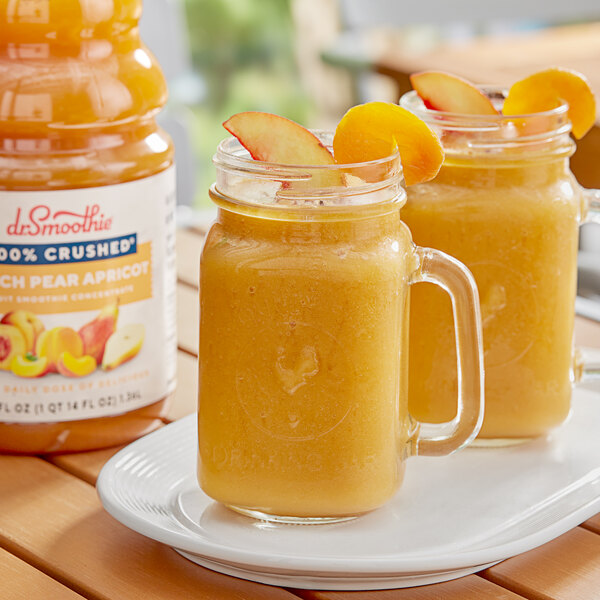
(364, 565)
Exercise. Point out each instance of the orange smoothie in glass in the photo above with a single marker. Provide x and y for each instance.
(506, 204)
(309, 326)
(303, 361)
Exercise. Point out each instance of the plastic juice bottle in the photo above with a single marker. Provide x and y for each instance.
(87, 195)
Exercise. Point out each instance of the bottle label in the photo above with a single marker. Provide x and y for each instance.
(87, 300)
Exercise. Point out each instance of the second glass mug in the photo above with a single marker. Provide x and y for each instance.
(506, 204)
(304, 280)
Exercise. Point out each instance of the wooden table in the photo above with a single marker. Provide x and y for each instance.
(57, 543)
(498, 60)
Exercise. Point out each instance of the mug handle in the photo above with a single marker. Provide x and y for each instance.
(586, 363)
(439, 439)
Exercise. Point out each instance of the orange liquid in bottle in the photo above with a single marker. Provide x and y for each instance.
(78, 95)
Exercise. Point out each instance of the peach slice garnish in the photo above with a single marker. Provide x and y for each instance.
(29, 366)
(449, 93)
(75, 366)
(376, 129)
(547, 90)
(276, 139)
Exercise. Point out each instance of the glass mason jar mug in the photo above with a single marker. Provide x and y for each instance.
(506, 204)
(303, 364)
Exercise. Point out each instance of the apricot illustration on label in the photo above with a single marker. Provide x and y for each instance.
(28, 324)
(53, 342)
(29, 365)
(123, 345)
(12, 343)
(95, 334)
(71, 366)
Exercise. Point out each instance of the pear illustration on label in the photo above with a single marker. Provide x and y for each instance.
(95, 334)
(123, 345)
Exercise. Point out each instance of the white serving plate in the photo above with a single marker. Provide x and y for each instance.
(453, 516)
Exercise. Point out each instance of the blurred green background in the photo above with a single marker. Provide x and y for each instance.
(243, 49)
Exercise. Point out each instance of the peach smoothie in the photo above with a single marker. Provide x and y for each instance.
(303, 357)
(506, 204)
(308, 319)
(515, 225)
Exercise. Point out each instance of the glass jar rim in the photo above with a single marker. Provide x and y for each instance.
(413, 102)
(313, 191)
(230, 151)
(496, 138)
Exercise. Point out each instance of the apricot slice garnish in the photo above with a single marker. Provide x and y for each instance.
(449, 93)
(548, 89)
(376, 129)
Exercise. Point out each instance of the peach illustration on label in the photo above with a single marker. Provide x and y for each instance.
(29, 365)
(28, 324)
(95, 334)
(123, 345)
(71, 366)
(12, 343)
(53, 342)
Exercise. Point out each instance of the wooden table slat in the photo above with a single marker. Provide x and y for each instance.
(87, 465)
(55, 522)
(189, 247)
(188, 319)
(21, 581)
(84, 465)
(185, 400)
(593, 524)
(567, 568)
(467, 588)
